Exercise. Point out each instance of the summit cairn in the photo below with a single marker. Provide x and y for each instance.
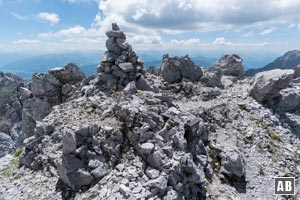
(119, 64)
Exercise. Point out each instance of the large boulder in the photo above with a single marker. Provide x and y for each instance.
(289, 99)
(233, 164)
(7, 145)
(174, 69)
(68, 74)
(267, 85)
(212, 78)
(231, 65)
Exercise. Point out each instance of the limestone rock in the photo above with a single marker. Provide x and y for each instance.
(289, 99)
(69, 141)
(175, 69)
(267, 85)
(68, 74)
(231, 65)
(212, 78)
(233, 164)
(7, 145)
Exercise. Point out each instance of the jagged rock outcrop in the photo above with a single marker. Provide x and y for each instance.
(120, 64)
(230, 65)
(267, 85)
(11, 98)
(7, 145)
(10, 103)
(174, 69)
(221, 74)
(212, 78)
(47, 90)
(289, 99)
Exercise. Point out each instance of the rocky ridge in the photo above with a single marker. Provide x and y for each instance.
(209, 137)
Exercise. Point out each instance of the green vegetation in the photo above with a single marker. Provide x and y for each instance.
(215, 164)
(274, 135)
(4, 95)
(5, 172)
(18, 151)
(244, 107)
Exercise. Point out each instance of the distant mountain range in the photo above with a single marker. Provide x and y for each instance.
(25, 65)
(289, 60)
(88, 62)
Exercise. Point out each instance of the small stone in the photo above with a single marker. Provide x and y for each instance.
(146, 148)
(126, 67)
(124, 190)
(152, 173)
(69, 141)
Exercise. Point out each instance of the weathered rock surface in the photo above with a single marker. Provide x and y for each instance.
(267, 85)
(231, 65)
(174, 69)
(212, 78)
(153, 139)
(7, 145)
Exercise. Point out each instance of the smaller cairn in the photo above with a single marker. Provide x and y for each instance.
(119, 64)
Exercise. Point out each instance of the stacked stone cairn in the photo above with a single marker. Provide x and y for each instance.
(119, 64)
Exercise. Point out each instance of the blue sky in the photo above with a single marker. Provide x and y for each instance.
(186, 25)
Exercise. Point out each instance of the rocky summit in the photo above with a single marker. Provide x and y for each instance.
(181, 132)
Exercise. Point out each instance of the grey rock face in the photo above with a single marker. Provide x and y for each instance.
(146, 83)
(231, 65)
(289, 99)
(7, 145)
(296, 72)
(233, 164)
(68, 74)
(10, 101)
(212, 78)
(130, 88)
(175, 69)
(69, 141)
(152, 173)
(267, 85)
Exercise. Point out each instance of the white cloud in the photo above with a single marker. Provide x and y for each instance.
(51, 18)
(69, 32)
(19, 17)
(208, 14)
(189, 42)
(268, 31)
(223, 42)
(248, 34)
(27, 42)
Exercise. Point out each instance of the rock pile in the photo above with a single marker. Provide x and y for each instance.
(119, 64)
(174, 69)
(88, 154)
